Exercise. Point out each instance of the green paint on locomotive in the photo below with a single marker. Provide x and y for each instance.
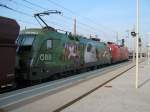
(50, 52)
(43, 52)
(95, 52)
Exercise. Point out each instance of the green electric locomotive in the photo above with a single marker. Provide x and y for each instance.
(45, 52)
(42, 53)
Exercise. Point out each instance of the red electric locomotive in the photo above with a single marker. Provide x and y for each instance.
(124, 53)
(118, 52)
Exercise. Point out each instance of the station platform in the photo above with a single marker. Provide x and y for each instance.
(119, 95)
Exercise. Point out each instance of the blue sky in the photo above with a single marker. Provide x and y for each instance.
(97, 17)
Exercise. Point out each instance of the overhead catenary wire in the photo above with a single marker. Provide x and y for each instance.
(20, 12)
(54, 23)
(36, 5)
(31, 23)
(85, 18)
(74, 13)
(26, 14)
(92, 29)
(39, 6)
(20, 4)
(61, 6)
(2, 5)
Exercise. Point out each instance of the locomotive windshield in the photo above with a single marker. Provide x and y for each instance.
(25, 40)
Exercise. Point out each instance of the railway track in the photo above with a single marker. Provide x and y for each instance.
(11, 99)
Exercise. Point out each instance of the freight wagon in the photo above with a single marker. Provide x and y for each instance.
(9, 30)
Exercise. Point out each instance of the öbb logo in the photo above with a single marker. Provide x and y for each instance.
(45, 57)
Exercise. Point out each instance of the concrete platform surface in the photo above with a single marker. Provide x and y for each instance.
(119, 95)
(51, 103)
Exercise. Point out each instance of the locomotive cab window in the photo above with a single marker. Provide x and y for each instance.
(25, 42)
(49, 44)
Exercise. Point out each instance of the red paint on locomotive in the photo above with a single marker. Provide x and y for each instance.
(119, 53)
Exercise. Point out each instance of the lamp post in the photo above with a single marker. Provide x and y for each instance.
(137, 42)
